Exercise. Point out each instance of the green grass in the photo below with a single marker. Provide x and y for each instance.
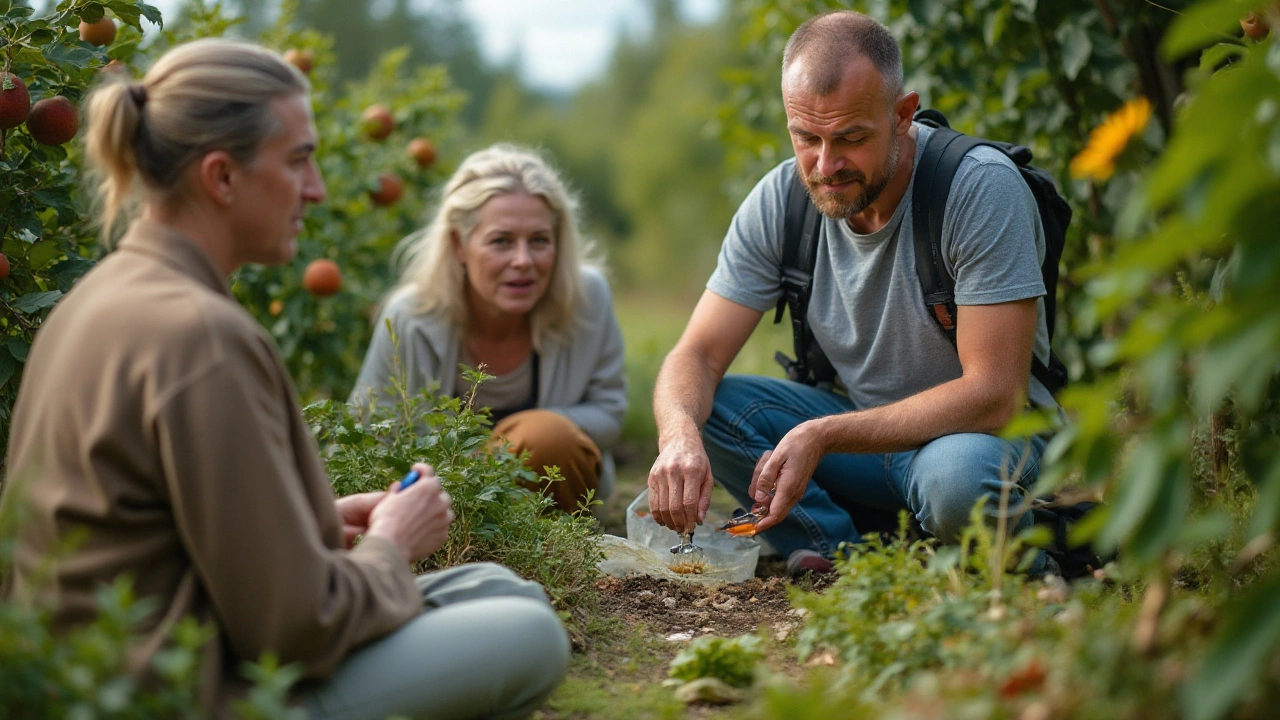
(651, 324)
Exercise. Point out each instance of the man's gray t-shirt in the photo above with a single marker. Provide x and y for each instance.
(866, 309)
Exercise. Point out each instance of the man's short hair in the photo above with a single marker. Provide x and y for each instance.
(832, 39)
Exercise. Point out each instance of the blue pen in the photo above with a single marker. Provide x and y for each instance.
(409, 479)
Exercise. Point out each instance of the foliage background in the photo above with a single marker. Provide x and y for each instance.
(1166, 318)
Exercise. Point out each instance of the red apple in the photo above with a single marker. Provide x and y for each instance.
(390, 188)
(377, 122)
(422, 152)
(53, 121)
(15, 103)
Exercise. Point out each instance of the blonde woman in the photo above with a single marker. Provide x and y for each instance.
(498, 279)
(157, 425)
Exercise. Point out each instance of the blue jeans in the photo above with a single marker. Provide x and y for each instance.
(938, 483)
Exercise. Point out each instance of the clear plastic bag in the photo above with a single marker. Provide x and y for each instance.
(647, 550)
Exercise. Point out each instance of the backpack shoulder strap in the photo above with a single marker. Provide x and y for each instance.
(938, 166)
(932, 187)
(801, 225)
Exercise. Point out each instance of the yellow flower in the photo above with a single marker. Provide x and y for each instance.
(1097, 160)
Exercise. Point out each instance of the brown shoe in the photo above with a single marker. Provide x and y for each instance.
(808, 561)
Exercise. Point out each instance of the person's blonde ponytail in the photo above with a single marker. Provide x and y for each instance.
(206, 95)
(112, 117)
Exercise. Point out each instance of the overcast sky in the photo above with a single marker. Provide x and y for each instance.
(561, 43)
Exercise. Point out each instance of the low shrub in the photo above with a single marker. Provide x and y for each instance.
(497, 519)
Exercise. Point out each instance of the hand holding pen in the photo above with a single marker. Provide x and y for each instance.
(415, 515)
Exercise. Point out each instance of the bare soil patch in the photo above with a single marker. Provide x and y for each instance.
(682, 611)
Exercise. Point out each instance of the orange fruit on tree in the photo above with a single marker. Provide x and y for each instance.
(322, 277)
(422, 152)
(1255, 26)
(377, 122)
(102, 32)
(276, 307)
(302, 59)
(390, 188)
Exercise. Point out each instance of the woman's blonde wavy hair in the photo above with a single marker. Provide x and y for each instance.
(435, 276)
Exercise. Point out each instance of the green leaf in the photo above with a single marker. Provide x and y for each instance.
(1076, 49)
(151, 13)
(128, 14)
(1239, 654)
(41, 254)
(994, 26)
(8, 366)
(31, 302)
(58, 198)
(927, 12)
(92, 12)
(77, 57)
(1203, 24)
(18, 347)
(1218, 54)
(1139, 491)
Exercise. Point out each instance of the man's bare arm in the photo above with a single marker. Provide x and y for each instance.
(680, 481)
(995, 344)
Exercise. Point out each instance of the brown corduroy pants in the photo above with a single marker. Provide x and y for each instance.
(553, 440)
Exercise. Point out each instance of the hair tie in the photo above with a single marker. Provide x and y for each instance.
(138, 92)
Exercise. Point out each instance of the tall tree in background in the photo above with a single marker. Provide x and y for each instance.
(435, 32)
(637, 144)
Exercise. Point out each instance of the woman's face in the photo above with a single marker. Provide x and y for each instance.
(509, 256)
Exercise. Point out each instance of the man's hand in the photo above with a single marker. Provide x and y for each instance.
(354, 511)
(680, 485)
(415, 520)
(782, 475)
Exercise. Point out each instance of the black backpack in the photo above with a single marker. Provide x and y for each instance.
(938, 165)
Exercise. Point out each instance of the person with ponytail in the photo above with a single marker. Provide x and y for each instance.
(157, 436)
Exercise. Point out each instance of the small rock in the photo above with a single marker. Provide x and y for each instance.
(679, 637)
(711, 691)
(727, 605)
(781, 632)
(797, 612)
(702, 602)
(754, 599)
(822, 658)
(670, 602)
(1037, 710)
(1054, 590)
(645, 595)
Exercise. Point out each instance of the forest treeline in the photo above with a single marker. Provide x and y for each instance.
(640, 142)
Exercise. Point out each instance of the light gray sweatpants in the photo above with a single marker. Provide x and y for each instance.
(488, 645)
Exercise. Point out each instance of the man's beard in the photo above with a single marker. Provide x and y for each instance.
(833, 206)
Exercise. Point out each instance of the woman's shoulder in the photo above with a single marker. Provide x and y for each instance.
(595, 286)
(404, 308)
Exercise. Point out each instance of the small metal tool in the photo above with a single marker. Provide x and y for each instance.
(741, 517)
(686, 547)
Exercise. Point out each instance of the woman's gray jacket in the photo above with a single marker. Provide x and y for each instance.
(580, 375)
